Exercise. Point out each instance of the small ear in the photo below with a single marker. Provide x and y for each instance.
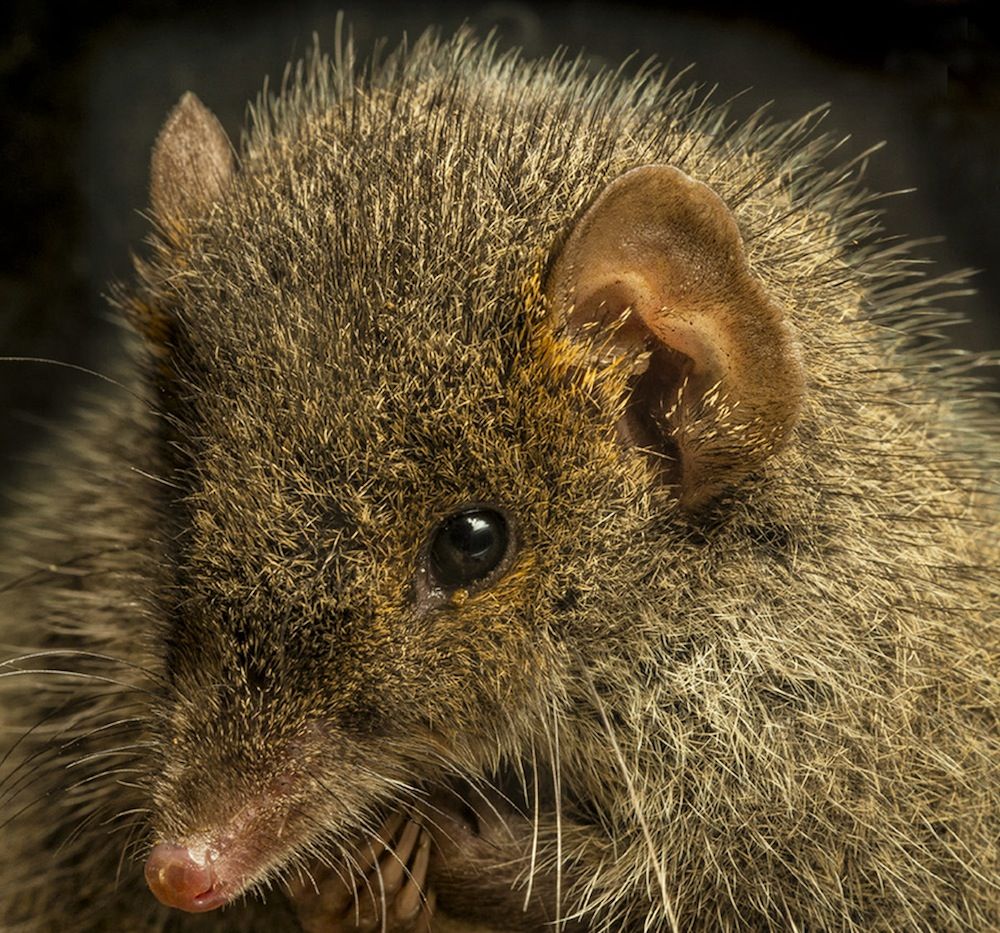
(191, 167)
(655, 270)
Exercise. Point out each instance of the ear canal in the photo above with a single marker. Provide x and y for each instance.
(191, 166)
(655, 271)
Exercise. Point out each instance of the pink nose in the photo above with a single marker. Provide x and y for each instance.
(179, 881)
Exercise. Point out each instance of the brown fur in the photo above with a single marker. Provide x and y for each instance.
(778, 711)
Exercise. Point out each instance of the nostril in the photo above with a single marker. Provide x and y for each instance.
(179, 880)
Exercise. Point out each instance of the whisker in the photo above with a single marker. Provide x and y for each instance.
(358, 871)
(76, 368)
(556, 768)
(533, 864)
(123, 813)
(77, 830)
(108, 753)
(133, 830)
(81, 675)
(89, 655)
(427, 817)
(99, 776)
(10, 819)
(655, 857)
(27, 733)
(24, 773)
(381, 885)
(489, 803)
(64, 567)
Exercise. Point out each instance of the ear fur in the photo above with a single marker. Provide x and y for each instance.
(655, 269)
(191, 166)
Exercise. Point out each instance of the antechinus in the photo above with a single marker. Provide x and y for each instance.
(528, 499)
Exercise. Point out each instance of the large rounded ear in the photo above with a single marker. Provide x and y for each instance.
(655, 271)
(191, 167)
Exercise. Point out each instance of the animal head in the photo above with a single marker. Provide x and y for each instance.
(446, 389)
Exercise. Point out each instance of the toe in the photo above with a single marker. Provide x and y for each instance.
(410, 900)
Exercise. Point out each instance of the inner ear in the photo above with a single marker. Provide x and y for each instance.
(653, 400)
(609, 322)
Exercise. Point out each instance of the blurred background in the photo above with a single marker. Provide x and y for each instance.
(84, 89)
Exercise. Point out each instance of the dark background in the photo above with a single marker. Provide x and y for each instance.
(83, 91)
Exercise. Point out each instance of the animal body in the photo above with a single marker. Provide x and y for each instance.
(531, 500)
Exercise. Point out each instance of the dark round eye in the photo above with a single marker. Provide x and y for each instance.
(467, 547)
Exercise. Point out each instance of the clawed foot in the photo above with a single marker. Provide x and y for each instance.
(380, 886)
